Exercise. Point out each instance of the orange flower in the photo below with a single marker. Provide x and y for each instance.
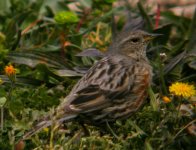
(166, 99)
(10, 70)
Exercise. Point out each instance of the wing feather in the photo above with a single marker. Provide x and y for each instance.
(106, 81)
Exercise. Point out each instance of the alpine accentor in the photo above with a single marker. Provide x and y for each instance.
(113, 88)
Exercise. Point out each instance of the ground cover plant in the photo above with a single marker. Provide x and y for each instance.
(46, 46)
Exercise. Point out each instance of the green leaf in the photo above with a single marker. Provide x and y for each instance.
(56, 65)
(86, 3)
(136, 127)
(145, 16)
(4, 6)
(110, 1)
(153, 100)
(32, 59)
(49, 48)
(192, 34)
(2, 101)
(2, 38)
(178, 47)
(165, 30)
(192, 64)
(22, 81)
(91, 52)
(102, 18)
(176, 72)
(148, 146)
(66, 17)
(174, 61)
(50, 6)
(179, 21)
(66, 73)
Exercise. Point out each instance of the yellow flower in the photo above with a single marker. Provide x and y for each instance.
(46, 129)
(166, 99)
(182, 89)
(10, 70)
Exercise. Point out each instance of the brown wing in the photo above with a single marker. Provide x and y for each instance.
(106, 81)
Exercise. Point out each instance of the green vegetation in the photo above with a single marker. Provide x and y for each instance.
(39, 41)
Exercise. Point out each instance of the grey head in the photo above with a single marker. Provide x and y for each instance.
(131, 43)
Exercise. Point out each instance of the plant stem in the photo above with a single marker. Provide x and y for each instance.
(2, 118)
(184, 128)
(114, 134)
(161, 75)
(51, 139)
(178, 113)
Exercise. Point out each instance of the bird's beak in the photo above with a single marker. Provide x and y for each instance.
(149, 37)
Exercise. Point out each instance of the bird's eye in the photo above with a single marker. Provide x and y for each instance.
(135, 40)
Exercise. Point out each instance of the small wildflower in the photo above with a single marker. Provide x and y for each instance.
(10, 70)
(166, 99)
(46, 129)
(182, 89)
(66, 43)
(163, 57)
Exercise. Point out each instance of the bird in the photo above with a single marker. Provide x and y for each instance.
(113, 88)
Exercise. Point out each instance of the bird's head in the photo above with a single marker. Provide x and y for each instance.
(132, 43)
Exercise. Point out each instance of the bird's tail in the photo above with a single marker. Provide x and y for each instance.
(45, 123)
